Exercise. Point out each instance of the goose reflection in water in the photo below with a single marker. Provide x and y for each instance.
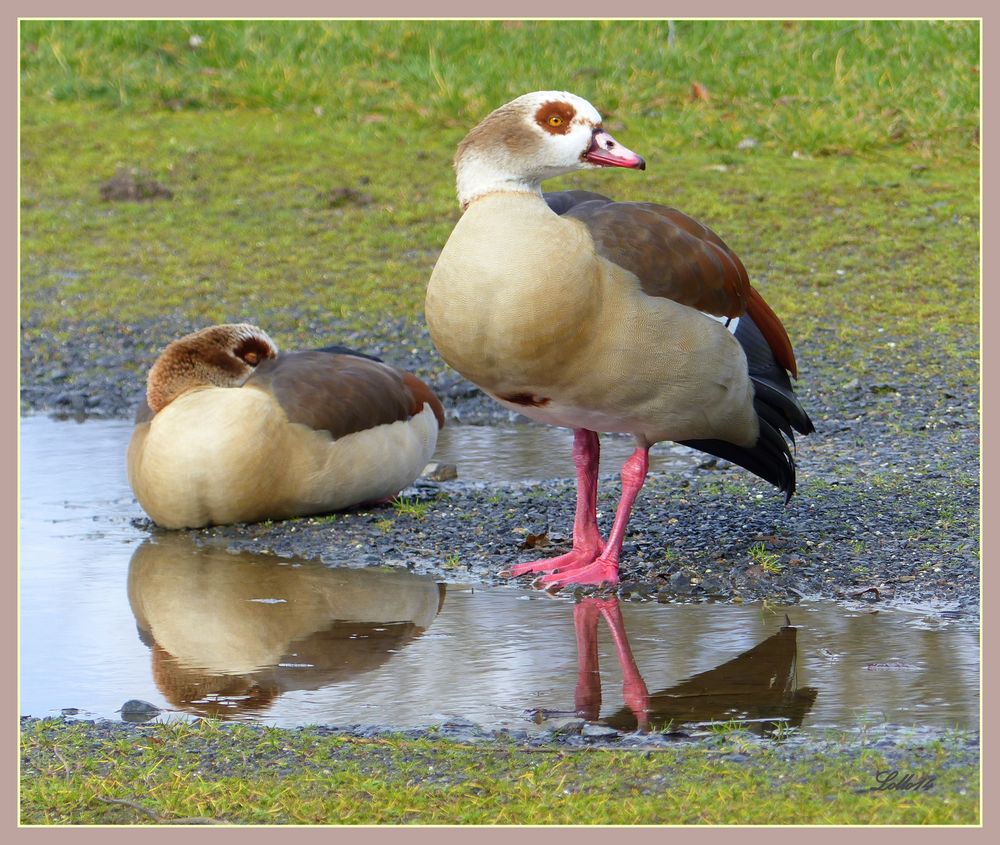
(230, 632)
(757, 688)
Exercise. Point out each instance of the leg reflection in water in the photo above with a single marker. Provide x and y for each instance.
(588, 683)
(757, 687)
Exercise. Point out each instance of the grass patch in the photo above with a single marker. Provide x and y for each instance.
(768, 561)
(240, 775)
(410, 507)
(818, 86)
(860, 196)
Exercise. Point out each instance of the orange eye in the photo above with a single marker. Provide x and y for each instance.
(555, 120)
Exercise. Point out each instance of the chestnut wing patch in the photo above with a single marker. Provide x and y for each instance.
(673, 255)
(676, 257)
(332, 392)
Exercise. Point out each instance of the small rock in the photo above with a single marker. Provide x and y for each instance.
(69, 711)
(536, 541)
(748, 144)
(461, 735)
(569, 725)
(675, 734)
(594, 731)
(462, 390)
(713, 586)
(455, 722)
(680, 582)
(76, 401)
(136, 710)
(440, 472)
(713, 463)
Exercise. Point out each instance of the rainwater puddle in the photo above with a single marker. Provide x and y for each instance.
(109, 613)
(524, 453)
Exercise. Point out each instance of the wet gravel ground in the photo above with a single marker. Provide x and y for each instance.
(908, 748)
(887, 508)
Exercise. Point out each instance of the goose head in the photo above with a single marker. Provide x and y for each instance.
(219, 356)
(533, 138)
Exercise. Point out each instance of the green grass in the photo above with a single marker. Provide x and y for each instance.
(238, 775)
(810, 85)
(861, 196)
(410, 507)
(768, 561)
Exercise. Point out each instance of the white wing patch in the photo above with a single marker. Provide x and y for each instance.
(729, 322)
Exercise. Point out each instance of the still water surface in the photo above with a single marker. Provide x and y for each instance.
(110, 613)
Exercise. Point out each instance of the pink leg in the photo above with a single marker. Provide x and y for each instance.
(633, 686)
(604, 570)
(588, 679)
(587, 541)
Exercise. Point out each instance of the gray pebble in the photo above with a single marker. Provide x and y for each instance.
(594, 731)
(136, 710)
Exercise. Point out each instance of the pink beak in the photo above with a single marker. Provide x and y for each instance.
(607, 152)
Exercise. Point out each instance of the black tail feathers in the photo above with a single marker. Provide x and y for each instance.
(778, 412)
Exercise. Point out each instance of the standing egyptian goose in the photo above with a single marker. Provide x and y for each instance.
(604, 316)
(233, 431)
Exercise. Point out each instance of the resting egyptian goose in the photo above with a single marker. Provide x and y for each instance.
(604, 316)
(233, 431)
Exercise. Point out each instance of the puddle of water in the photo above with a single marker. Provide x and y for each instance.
(525, 453)
(109, 614)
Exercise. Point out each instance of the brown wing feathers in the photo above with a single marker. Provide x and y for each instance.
(342, 393)
(677, 257)
(668, 251)
(423, 395)
(772, 329)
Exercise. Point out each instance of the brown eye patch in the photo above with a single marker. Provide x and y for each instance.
(253, 351)
(555, 117)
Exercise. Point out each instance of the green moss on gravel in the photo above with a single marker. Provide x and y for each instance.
(190, 773)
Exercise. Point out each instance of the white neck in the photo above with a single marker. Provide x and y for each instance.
(477, 176)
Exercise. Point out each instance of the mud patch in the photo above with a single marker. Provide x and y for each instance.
(134, 185)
